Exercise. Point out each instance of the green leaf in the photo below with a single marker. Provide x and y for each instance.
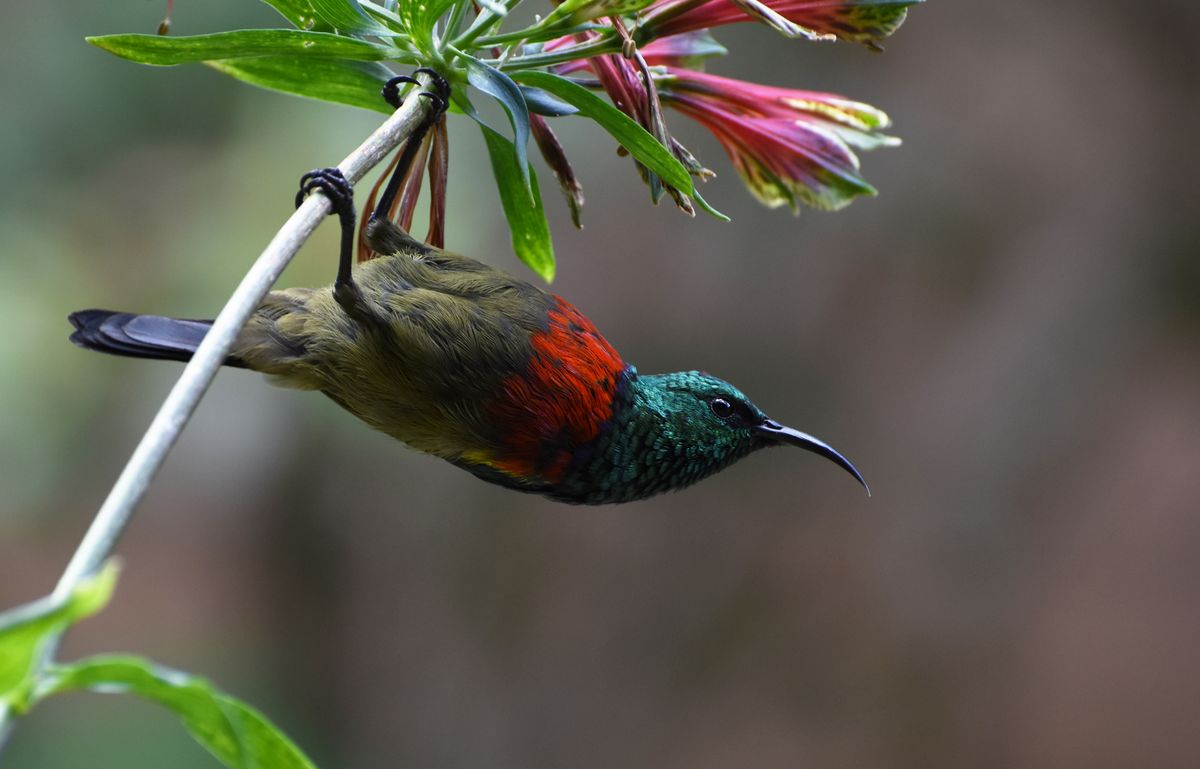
(420, 16)
(237, 734)
(641, 143)
(522, 205)
(301, 13)
(544, 104)
(26, 630)
(348, 16)
(165, 51)
(356, 83)
(495, 83)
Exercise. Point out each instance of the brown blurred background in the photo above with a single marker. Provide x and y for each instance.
(1006, 341)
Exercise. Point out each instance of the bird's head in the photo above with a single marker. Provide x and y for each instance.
(716, 424)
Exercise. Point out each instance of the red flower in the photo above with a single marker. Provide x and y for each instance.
(862, 21)
(630, 87)
(788, 146)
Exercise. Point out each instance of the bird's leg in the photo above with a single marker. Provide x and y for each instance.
(440, 101)
(336, 187)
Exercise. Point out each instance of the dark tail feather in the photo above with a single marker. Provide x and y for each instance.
(140, 336)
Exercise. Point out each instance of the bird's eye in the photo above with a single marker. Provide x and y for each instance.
(721, 407)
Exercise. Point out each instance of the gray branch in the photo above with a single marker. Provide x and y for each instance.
(197, 376)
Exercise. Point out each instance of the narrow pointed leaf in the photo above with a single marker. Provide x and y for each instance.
(641, 144)
(522, 205)
(501, 87)
(419, 16)
(166, 51)
(348, 16)
(301, 13)
(542, 103)
(356, 83)
(239, 736)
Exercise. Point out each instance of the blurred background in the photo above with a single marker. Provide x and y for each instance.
(1006, 342)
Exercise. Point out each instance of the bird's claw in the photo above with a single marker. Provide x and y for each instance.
(335, 186)
(440, 99)
(391, 89)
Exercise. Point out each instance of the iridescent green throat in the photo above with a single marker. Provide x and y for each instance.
(662, 436)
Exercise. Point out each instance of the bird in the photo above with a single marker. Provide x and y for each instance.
(462, 361)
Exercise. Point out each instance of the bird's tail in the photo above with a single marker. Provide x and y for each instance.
(140, 336)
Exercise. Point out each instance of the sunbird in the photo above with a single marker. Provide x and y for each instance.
(460, 360)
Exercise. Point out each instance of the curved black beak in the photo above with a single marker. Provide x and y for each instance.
(776, 434)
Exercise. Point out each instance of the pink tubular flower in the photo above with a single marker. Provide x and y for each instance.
(788, 146)
(861, 21)
(620, 81)
(855, 123)
(616, 74)
(688, 49)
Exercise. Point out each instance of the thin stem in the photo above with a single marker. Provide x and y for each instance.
(536, 33)
(483, 21)
(592, 48)
(382, 11)
(457, 13)
(199, 373)
(477, 28)
(181, 402)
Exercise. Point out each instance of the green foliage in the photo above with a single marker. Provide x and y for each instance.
(302, 13)
(542, 103)
(245, 43)
(641, 144)
(236, 734)
(347, 16)
(522, 202)
(419, 19)
(26, 630)
(332, 55)
(501, 87)
(354, 83)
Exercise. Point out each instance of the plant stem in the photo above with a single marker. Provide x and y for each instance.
(454, 22)
(383, 11)
(482, 22)
(536, 33)
(197, 376)
(610, 44)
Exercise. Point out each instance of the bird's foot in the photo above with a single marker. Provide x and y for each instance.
(440, 98)
(335, 186)
(350, 297)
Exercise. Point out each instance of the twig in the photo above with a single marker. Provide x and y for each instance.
(181, 402)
